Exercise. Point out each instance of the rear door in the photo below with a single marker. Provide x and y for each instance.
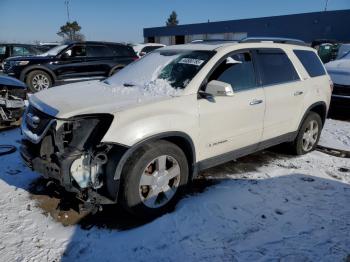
(99, 59)
(122, 54)
(284, 92)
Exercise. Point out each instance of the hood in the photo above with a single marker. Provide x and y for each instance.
(93, 97)
(339, 71)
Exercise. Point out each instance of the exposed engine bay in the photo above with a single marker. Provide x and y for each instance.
(69, 152)
(12, 96)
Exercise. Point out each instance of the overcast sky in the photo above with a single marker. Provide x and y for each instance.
(113, 20)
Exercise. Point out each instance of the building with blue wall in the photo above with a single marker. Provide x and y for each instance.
(307, 26)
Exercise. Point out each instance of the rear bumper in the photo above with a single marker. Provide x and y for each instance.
(340, 102)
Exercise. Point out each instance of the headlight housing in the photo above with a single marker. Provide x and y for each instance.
(83, 132)
(19, 63)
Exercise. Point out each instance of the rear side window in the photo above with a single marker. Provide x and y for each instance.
(275, 67)
(311, 62)
(122, 50)
(98, 51)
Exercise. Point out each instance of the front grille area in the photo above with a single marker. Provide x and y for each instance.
(342, 90)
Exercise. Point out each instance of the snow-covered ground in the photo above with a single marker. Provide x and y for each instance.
(334, 135)
(264, 207)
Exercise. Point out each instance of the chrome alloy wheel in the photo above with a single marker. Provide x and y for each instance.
(40, 82)
(159, 181)
(310, 136)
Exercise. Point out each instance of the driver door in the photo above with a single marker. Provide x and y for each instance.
(72, 63)
(230, 123)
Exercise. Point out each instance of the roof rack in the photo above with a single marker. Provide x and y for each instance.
(279, 40)
(203, 41)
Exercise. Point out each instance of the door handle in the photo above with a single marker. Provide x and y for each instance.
(298, 93)
(255, 102)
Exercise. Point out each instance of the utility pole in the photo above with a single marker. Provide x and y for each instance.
(66, 2)
(326, 6)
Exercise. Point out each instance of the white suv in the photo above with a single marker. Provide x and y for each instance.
(139, 137)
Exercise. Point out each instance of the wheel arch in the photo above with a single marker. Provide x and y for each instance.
(26, 71)
(182, 140)
(319, 108)
(111, 71)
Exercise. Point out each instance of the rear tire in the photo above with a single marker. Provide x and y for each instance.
(154, 179)
(38, 80)
(308, 135)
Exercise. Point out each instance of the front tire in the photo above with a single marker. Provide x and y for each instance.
(154, 179)
(38, 80)
(309, 134)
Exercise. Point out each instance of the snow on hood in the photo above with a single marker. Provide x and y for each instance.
(98, 97)
(339, 71)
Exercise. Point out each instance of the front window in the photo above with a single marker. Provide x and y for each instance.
(54, 51)
(174, 67)
(237, 70)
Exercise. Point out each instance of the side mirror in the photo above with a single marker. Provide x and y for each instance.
(218, 88)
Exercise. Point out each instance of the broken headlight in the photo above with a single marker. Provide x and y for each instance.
(83, 132)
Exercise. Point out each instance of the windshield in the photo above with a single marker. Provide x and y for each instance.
(174, 67)
(346, 55)
(54, 51)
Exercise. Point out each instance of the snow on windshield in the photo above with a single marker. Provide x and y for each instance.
(54, 51)
(161, 71)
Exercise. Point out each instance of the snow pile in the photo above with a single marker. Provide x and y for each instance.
(267, 207)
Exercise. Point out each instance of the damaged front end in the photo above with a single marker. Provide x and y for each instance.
(69, 151)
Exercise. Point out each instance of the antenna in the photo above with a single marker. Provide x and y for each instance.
(66, 2)
(326, 6)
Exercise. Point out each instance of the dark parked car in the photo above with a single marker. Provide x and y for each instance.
(339, 71)
(76, 61)
(12, 95)
(9, 50)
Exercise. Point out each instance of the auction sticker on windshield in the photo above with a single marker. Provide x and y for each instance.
(191, 61)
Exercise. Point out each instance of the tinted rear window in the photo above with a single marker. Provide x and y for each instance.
(122, 50)
(311, 62)
(98, 51)
(275, 67)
